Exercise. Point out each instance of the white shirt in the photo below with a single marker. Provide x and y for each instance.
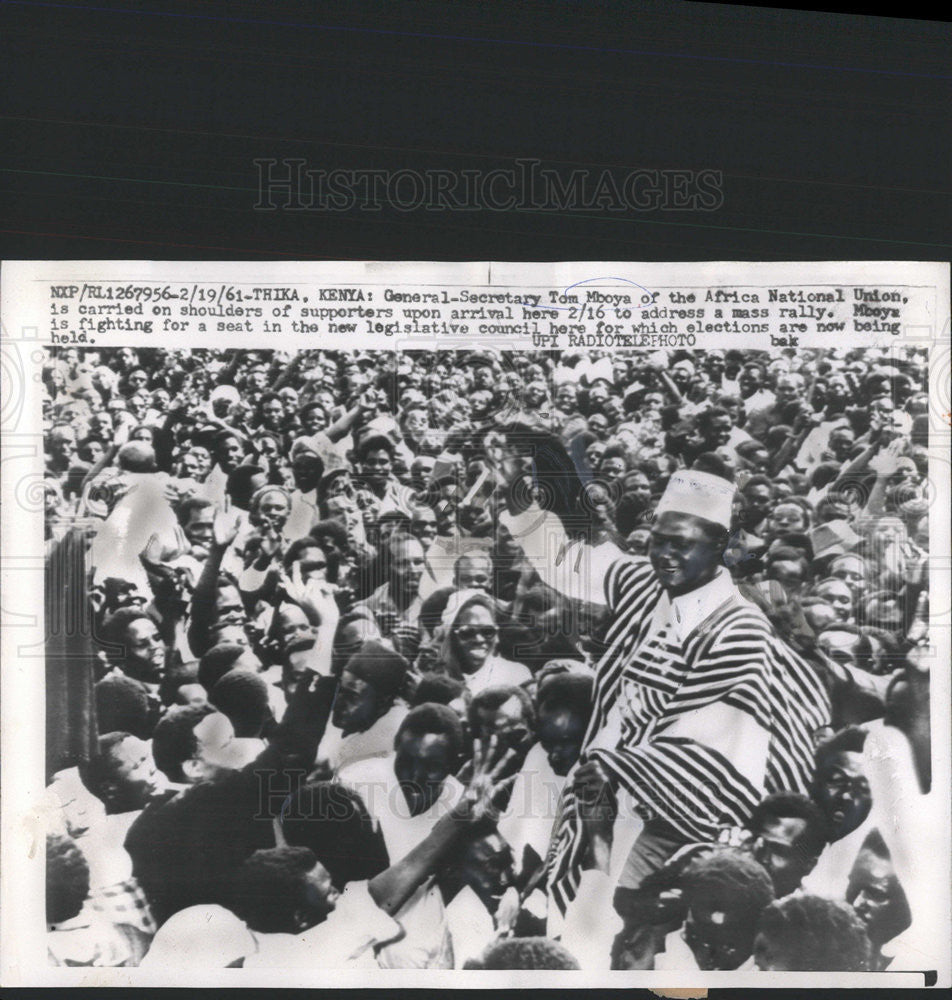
(377, 741)
(533, 805)
(374, 780)
(497, 671)
(470, 924)
(830, 878)
(591, 923)
(426, 943)
(345, 940)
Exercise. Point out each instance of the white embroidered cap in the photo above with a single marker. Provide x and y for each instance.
(699, 494)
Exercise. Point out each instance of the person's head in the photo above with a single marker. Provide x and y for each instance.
(61, 442)
(842, 643)
(613, 465)
(406, 563)
(122, 705)
(313, 417)
(690, 530)
(375, 457)
(229, 451)
(838, 595)
(428, 747)
(222, 658)
(193, 743)
(332, 820)
(443, 690)
(789, 567)
(750, 380)
(474, 571)
(787, 518)
(789, 832)
(851, 570)
(566, 397)
(841, 443)
(803, 933)
(788, 388)
(524, 953)
(875, 893)
(197, 518)
(421, 471)
(122, 775)
(143, 652)
(598, 424)
(196, 462)
(136, 456)
(473, 633)
(390, 523)
(307, 467)
(270, 507)
(685, 551)
(268, 448)
(309, 557)
(67, 879)
(715, 426)
(484, 863)
(504, 712)
(840, 788)
(423, 526)
(563, 709)
(243, 482)
(416, 420)
(757, 495)
(242, 695)
(724, 894)
(817, 613)
(283, 890)
(271, 411)
(370, 682)
(594, 452)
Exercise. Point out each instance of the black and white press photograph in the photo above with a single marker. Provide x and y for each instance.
(486, 659)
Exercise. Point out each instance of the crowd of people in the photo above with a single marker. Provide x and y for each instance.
(487, 660)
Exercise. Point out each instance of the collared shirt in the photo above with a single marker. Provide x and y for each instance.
(303, 514)
(426, 943)
(497, 671)
(345, 940)
(386, 612)
(376, 783)
(89, 939)
(377, 741)
(471, 926)
(533, 805)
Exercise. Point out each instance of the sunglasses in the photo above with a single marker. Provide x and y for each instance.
(473, 631)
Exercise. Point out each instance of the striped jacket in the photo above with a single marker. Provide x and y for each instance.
(652, 677)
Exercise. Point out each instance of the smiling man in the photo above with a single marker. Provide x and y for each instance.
(699, 708)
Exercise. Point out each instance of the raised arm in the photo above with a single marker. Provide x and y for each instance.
(393, 887)
(573, 568)
(202, 609)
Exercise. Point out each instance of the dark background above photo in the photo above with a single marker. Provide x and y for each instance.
(131, 129)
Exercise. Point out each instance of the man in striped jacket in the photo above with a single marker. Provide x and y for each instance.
(700, 709)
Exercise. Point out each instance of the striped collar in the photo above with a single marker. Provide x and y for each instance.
(690, 610)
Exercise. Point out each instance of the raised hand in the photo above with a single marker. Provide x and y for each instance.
(486, 785)
(224, 530)
(314, 597)
(596, 799)
(886, 462)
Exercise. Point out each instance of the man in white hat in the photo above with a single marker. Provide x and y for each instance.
(700, 710)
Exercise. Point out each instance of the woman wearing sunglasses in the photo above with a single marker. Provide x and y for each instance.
(471, 636)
